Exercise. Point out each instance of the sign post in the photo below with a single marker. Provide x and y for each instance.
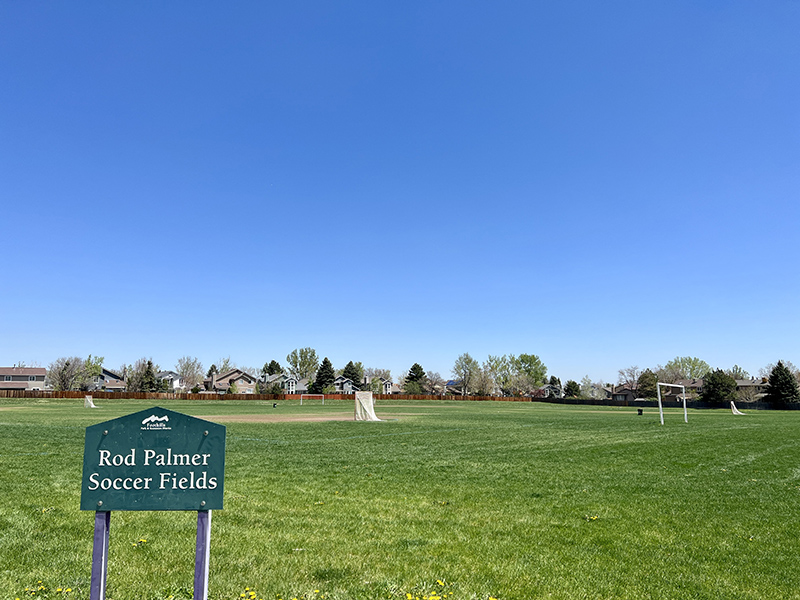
(156, 459)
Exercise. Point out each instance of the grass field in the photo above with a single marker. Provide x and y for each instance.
(445, 500)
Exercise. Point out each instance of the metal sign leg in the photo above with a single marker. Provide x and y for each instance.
(102, 523)
(202, 554)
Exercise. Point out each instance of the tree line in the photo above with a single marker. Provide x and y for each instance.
(782, 380)
(506, 375)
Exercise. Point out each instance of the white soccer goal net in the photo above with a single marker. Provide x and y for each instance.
(735, 410)
(365, 409)
(313, 398)
(87, 402)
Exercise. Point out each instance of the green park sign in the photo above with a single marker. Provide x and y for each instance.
(155, 459)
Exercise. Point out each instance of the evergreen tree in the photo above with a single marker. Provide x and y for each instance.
(782, 386)
(149, 382)
(211, 370)
(273, 368)
(415, 380)
(718, 386)
(324, 378)
(647, 385)
(572, 389)
(354, 374)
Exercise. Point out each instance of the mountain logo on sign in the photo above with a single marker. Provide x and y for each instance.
(154, 422)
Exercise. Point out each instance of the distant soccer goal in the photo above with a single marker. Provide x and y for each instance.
(682, 396)
(313, 398)
(735, 410)
(365, 408)
(87, 402)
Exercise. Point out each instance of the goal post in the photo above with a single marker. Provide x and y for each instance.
(312, 397)
(683, 395)
(365, 408)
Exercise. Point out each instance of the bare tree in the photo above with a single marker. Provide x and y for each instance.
(629, 377)
(483, 382)
(372, 373)
(141, 375)
(74, 373)
(64, 373)
(225, 364)
(465, 369)
(190, 370)
(435, 383)
(748, 393)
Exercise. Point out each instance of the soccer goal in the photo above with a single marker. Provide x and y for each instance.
(313, 397)
(683, 396)
(87, 402)
(365, 408)
(735, 410)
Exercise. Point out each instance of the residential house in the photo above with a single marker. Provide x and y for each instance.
(22, 378)
(110, 381)
(753, 389)
(386, 386)
(453, 387)
(623, 393)
(293, 385)
(343, 385)
(174, 381)
(549, 390)
(221, 383)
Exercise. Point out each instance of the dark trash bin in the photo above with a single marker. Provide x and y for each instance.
(639, 411)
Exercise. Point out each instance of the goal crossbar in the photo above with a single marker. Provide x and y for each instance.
(312, 397)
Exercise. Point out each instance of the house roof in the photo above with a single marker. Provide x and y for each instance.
(696, 382)
(223, 381)
(753, 383)
(23, 371)
(13, 385)
(109, 373)
(223, 378)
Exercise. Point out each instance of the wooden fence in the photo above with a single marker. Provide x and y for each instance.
(30, 394)
(269, 397)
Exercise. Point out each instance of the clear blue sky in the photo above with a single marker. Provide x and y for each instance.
(603, 184)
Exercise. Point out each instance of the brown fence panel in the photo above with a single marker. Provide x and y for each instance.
(36, 394)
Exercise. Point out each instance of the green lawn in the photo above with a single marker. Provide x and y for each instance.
(453, 500)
